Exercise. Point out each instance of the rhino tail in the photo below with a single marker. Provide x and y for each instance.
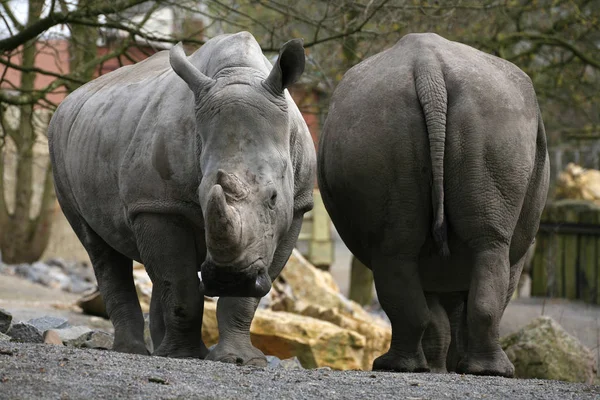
(431, 91)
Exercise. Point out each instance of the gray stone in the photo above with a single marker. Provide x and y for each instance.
(46, 322)
(26, 333)
(543, 349)
(288, 363)
(75, 335)
(5, 320)
(51, 337)
(99, 340)
(4, 337)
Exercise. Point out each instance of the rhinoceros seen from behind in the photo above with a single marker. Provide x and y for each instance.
(434, 168)
(186, 164)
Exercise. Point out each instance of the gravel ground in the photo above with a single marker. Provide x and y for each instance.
(29, 371)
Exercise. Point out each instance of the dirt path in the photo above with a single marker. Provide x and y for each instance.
(29, 371)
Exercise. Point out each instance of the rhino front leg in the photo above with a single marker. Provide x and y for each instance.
(167, 247)
(401, 296)
(486, 301)
(234, 316)
(114, 273)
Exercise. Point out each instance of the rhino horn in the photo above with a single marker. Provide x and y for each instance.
(195, 79)
(223, 227)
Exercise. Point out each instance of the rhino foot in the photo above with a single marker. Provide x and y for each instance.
(495, 364)
(246, 355)
(131, 347)
(392, 361)
(164, 350)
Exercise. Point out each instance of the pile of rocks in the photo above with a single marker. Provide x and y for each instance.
(57, 273)
(52, 330)
(578, 183)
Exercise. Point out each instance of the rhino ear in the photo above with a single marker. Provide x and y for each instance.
(289, 66)
(195, 79)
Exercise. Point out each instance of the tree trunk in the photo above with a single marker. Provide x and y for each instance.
(361, 283)
(18, 229)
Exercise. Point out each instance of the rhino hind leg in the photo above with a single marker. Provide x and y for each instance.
(234, 316)
(157, 321)
(401, 296)
(455, 305)
(114, 273)
(437, 337)
(485, 305)
(167, 248)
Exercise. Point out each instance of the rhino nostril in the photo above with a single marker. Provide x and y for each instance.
(273, 198)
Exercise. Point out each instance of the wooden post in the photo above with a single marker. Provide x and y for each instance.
(567, 263)
(361, 283)
(320, 248)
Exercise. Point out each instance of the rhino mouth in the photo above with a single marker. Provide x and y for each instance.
(223, 280)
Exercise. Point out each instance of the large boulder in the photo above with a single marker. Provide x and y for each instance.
(314, 342)
(578, 183)
(543, 349)
(315, 294)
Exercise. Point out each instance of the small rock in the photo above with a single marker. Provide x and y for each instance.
(5, 320)
(45, 323)
(26, 333)
(288, 363)
(74, 336)
(92, 304)
(4, 337)
(51, 337)
(273, 361)
(291, 363)
(99, 340)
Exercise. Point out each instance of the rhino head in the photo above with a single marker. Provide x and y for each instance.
(246, 192)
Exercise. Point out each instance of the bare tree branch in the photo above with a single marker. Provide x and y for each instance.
(554, 41)
(53, 19)
(11, 16)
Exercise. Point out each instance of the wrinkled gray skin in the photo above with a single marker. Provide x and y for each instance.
(433, 166)
(187, 164)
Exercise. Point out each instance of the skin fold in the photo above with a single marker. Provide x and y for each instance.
(434, 168)
(187, 164)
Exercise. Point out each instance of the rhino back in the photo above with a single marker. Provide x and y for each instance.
(376, 120)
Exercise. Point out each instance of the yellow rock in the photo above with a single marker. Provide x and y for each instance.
(315, 294)
(578, 183)
(316, 343)
(377, 336)
(210, 329)
(143, 286)
(310, 283)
